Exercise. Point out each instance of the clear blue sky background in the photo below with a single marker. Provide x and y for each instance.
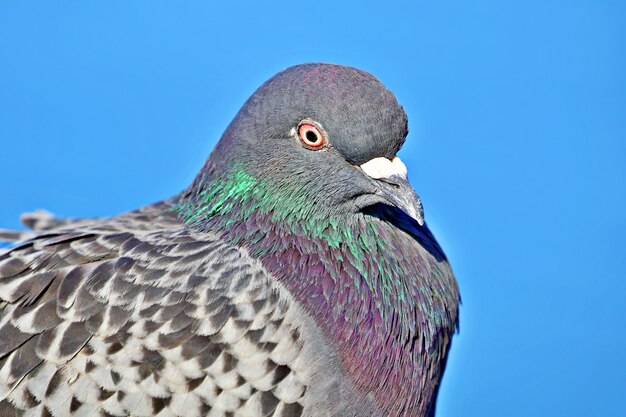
(517, 147)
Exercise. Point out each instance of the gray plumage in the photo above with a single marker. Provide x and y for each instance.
(138, 315)
(208, 304)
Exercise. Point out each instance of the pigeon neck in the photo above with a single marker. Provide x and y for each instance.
(371, 286)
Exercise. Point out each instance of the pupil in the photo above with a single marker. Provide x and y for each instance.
(311, 136)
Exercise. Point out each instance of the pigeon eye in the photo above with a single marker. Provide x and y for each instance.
(311, 135)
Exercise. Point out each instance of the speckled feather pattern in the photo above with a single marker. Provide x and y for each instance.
(138, 316)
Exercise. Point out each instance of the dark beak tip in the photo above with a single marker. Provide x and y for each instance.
(398, 191)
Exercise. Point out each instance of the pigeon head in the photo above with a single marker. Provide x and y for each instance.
(317, 139)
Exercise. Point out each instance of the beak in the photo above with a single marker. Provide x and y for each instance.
(393, 185)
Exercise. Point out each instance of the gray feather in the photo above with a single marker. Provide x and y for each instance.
(136, 315)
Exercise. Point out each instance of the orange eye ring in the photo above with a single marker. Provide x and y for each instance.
(311, 135)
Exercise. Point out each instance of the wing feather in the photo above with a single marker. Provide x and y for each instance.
(137, 315)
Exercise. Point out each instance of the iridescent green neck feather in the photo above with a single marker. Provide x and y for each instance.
(373, 287)
(269, 213)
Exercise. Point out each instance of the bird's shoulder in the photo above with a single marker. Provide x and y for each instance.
(149, 248)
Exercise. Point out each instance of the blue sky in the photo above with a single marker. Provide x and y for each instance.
(517, 147)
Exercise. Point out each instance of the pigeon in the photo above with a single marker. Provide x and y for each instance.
(295, 276)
